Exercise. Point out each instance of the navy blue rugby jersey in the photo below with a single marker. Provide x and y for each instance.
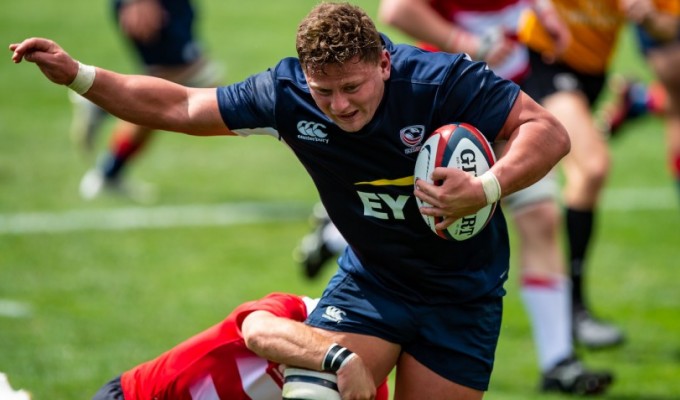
(365, 178)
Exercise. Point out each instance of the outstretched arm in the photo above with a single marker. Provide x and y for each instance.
(293, 343)
(142, 100)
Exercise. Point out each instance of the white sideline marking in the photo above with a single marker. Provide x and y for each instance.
(152, 217)
(14, 309)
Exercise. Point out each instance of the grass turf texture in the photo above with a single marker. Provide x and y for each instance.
(103, 301)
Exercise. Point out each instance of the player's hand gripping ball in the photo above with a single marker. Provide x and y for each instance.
(464, 147)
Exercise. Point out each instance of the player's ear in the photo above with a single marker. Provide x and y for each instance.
(385, 64)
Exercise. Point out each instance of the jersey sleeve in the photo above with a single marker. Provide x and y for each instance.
(480, 97)
(279, 304)
(249, 104)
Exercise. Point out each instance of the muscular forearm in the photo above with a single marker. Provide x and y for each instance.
(528, 158)
(534, 146)
(142, 100)
(284, 341)
(156, 103)
(295, 344)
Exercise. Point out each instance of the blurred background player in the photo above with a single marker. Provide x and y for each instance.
(632, 98)
(657, 25)
(240, 358)
(484, 32)
(568, 85)
(161, 33)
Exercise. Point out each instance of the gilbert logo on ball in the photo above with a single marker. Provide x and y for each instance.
(464, 147)
(304, 384)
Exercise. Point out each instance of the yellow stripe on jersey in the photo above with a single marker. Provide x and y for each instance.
(405, 181)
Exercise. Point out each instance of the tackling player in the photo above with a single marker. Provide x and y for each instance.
(241, 358)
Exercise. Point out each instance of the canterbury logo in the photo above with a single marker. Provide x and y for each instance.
(334, 314)
(313, 129)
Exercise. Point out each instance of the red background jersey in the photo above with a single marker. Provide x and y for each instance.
(480, 17)
(449, 7)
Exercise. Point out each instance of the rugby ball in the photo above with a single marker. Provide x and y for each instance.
(464, 147)
(304, 384)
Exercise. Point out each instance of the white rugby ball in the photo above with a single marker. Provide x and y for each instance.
(304, 384)
(464, 147)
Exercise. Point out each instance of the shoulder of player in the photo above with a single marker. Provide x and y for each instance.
(289, 69)
(422, 66)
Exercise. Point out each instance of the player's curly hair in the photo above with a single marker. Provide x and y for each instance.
(334, 33)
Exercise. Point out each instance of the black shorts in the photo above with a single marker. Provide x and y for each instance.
(545, 79)
(110, 391)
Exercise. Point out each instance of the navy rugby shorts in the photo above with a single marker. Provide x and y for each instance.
(545, 79)
(110, 391)
(457, 341)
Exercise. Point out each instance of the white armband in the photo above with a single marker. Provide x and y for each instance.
(491, 186)
(84, 78)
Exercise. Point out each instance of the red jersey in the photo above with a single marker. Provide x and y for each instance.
(448, 8)
(480, 17)
(216, 364)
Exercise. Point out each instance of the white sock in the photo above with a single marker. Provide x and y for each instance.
(548, 304)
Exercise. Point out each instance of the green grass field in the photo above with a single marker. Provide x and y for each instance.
(79, 306)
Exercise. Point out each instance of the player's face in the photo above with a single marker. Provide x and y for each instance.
(349, 94)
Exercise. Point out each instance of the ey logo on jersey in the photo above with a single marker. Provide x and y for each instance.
(383, 205)
(411, 136)
(312, 131)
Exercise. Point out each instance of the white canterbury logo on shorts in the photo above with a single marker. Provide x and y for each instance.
(333, 313)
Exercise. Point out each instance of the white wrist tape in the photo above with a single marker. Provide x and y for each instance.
(492, 189)
(84, 78)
